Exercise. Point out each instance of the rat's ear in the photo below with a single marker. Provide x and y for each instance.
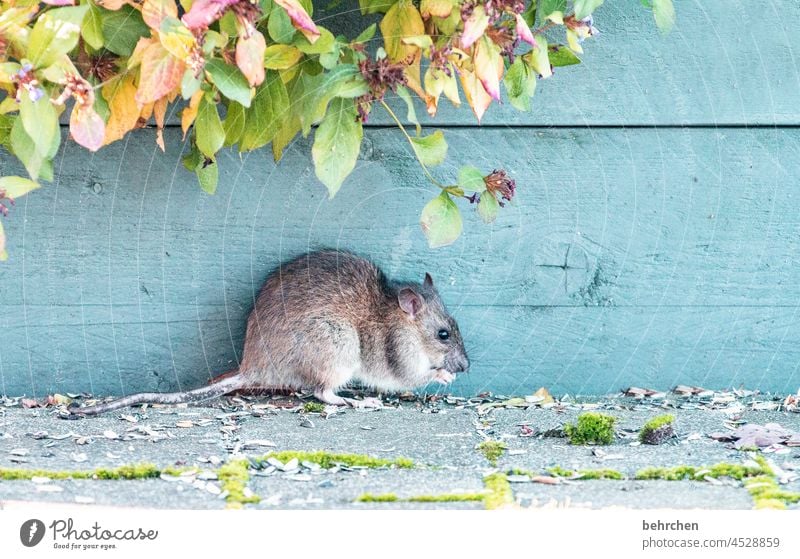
(428, 280)
(410, 301)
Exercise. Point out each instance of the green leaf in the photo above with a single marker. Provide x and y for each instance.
(55, 33)
(92, 30)
(41, 122)
(337, 143)
(23, 147)
(548, 7)
(189, 84)
(209, 134)
(488, 206)
(229, 80)
(529, 15)
(324, 44)
(431, 150)
(471, 179)
(664, 12)
(234, 123)
(281, 57)
(15, 187)
(441, 221)
(375, 6)
(584, 8)
(411, 113)
(344, 80)
(263, 118)
(538, 58)
(279, 27)
(520, 84)
(560, 55)
(208, 176)
(122, 29)
(367, 34)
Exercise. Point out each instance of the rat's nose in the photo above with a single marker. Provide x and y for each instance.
(461, 364)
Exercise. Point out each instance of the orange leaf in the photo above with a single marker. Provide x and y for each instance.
(160, 112)
(160, 74)
(189, 113)
(121, 98)
(154, 11)
(250, 57)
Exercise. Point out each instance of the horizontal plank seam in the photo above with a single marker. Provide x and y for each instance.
(700, 126)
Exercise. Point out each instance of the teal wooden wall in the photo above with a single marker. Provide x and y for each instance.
(655, 241)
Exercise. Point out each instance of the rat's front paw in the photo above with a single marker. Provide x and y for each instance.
(443, 376)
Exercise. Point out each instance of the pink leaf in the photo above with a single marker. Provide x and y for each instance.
(489, 67)
(524, 32)
(250, 57)
(474, 26)
(300, 19)
(205, 12)
(87, 128)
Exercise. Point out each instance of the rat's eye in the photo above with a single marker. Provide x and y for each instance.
(443, 334)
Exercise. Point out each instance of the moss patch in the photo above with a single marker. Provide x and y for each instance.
(723, 469)
(591, 428)
(492, 450)
(767, 493)
(313, 407)
(233, 477)
(330, 459)
(134, 471)
(442, 498)
(602, 473)
(500, 494)
(657, 430)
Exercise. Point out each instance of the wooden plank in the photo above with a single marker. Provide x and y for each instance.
(650, 256)
(514, 350)
(726, 62)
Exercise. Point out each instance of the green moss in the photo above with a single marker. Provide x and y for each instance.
(447, 498)
(591, 428)
(381, 498)
(766, 488)
(134, 471)
(499, 489)
(442, 498)
(657, 430)
(492, 450)
(233, 477)
(313, 407)
(602, 473)
(723, 469)
(330, 459)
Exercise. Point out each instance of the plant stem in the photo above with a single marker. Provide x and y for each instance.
(411, 143)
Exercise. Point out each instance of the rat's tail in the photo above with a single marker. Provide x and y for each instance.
(192, 396)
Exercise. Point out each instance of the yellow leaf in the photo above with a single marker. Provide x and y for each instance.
(438, 8)
(120, 95)
(476, 95)
(402, 20)
(572, 41)
(160, 73)
(489, 66)
(189, 113)
(281, 57)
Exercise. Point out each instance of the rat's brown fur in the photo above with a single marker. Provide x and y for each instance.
(328, 318)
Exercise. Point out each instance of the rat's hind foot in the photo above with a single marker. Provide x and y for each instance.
(330, 397)
(365, 403)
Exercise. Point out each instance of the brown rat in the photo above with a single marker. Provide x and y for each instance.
(326, 319)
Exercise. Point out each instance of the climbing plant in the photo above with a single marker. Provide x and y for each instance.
(257, 72)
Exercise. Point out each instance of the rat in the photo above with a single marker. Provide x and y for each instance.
(326, 319)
